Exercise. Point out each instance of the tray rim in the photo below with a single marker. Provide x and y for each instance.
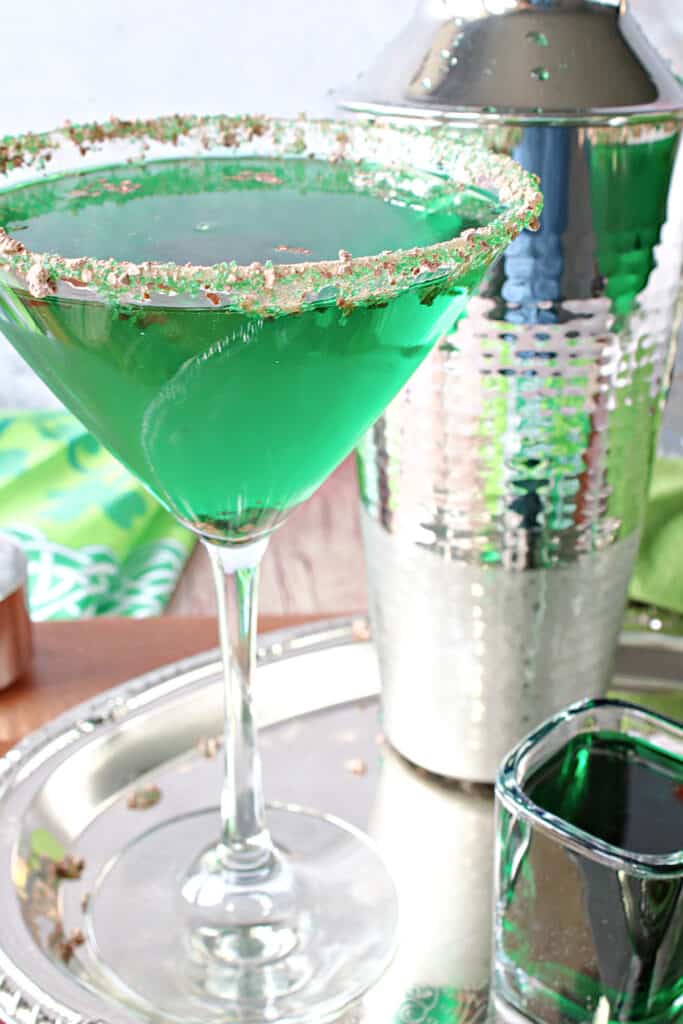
(23, 1001)
(274, 646)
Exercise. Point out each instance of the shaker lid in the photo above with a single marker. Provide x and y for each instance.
(567, 60)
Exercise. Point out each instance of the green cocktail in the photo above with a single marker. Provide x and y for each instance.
(195, 402)
(228, 303)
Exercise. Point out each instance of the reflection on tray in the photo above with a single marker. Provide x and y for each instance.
(437, 840)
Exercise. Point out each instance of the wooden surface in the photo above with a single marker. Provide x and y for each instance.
(314, 563)
(73, 661)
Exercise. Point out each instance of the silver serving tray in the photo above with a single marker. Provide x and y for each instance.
(65, 790)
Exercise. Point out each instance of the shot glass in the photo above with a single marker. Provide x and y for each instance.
(589, 869)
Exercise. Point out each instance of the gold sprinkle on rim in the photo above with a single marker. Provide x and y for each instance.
(265, 288)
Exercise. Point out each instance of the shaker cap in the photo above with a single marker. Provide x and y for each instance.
(566, 60)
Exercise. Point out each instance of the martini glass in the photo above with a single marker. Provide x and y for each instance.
(228, 303)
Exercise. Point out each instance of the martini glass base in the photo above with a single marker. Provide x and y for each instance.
(307, 963)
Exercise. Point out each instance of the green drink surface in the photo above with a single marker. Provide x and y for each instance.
(231, 419)
(618, 789)
(204, 211)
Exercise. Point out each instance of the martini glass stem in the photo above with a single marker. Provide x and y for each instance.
(246, 846)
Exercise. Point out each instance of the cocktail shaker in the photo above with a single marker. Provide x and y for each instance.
(503, 492)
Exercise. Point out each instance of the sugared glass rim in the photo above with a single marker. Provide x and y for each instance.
(588, 716)
(265, 288)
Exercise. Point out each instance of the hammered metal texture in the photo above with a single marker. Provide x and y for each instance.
(471, 657)
(505, 488)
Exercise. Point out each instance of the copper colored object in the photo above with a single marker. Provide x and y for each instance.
(15, 625)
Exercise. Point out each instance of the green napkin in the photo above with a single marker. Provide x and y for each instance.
(97, 543)
(658, 576)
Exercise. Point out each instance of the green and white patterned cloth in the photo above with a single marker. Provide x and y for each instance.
(59, 489)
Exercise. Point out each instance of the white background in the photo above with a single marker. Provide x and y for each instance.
(86, 59)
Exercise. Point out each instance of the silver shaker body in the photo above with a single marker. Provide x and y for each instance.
(504, 490)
